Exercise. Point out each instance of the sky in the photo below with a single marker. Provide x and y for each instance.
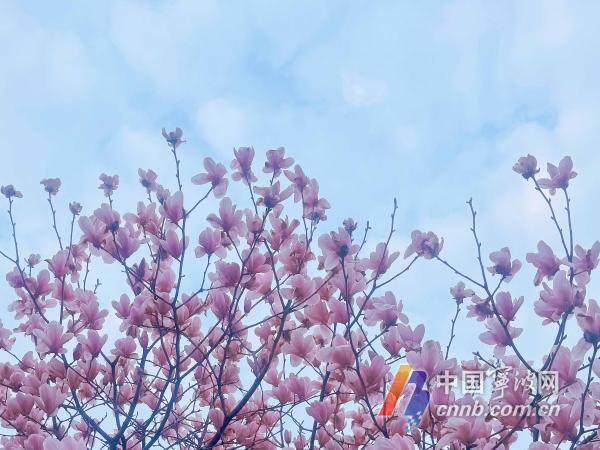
(428, 102)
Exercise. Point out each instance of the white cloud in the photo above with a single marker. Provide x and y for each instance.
(42, 65)
(224, 124)
(358, 91)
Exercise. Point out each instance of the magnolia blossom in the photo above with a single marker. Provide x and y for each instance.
(109, 184)
(242, 164)
(276, 161)
(588, 318)
(526, 166)
(51, 185)
(173, 138)
(172, 207)
(284, 331)
(503, 264)
(9, 191)
(584, 261)
(215, 175)
(427, 245)
(561, 298)
(6, 338)
(459, 292)
(430, 359)
(559, 176)
(148, 179)
(499, 335)
(546, 263)
(467, 431)
(506, 306)
(51, 338)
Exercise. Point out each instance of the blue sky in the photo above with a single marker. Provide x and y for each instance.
(428, 102)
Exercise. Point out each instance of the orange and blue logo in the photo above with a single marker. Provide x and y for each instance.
(418, 401)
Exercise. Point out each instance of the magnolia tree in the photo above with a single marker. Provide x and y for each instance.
(260, 332)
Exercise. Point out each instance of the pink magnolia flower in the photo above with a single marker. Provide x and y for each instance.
(75, 208)
(66, 443)
(459, 293)
(526, 166)
(281, 231)
(21, 403)
(410, 339)
(336, 247)
(276, 161)
(299, 288)
(59, 265)
(33, 260)
(6, 338)
(125, 348)
(385, 310)
(145, 218)
(173, 138)
(546, 263)
(506, 306)
(503, 264)
(51, 185)
(588, 319)
(215, 175)
(339, 355)
(564, 425)
(127, 241)
(338, 310)
(314, 207)
(90, 313)
(93, 343)
(148, 179)
(227, 274)
(497, 336)
(321, 411)
(299, 181)
(109, 184)
(567, 364)
(317, 313)
(300, 347)
(559, 176)
(162, 193)
(380, 260)
(172, 244)
(349, 225)
(301, 387)
(51, 338)
(541, 446)
(371, 377)
(243, 165)
(430, 359)
(50, 399)
(584, 261)
(9, 191)
(172, 207)
(108, 217)
(468, 431)
(271, 196)
(427, 245)
(351, 284)
(396, 442)
(561, 298)
(94, 231)
(210, 244)
(479, 308)
(33, 442)
(229, 219)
